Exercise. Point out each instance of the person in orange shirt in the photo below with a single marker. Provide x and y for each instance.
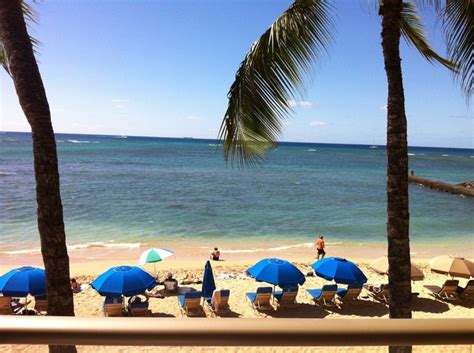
(320, 247)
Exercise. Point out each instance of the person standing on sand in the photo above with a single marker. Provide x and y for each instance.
(320, 247)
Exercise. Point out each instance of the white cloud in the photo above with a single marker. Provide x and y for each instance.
(302, 104)
(383, 107)
(317, 123)
(118, 100)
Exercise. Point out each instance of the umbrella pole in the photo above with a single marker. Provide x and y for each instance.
(154, 268)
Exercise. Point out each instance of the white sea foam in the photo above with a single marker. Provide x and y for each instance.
(6, 173)
(19, 252)
(80, 246)
(445, 155)
(411, 154)
(286, 247)
(311, 150)
(275, 249)
(213, 144)
(81, 141)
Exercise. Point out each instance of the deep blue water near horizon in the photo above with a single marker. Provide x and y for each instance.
(147, 190)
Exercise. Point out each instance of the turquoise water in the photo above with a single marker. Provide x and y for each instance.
(134, 190)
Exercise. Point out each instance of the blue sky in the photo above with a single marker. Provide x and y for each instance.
(163, 68)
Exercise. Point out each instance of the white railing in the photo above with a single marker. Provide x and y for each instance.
(233, 332)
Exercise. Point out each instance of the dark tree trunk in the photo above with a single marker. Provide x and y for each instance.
(32, 97)
(397, 169)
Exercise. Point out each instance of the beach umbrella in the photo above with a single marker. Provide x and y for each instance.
(153, 256)
(339, 270)
(277, 272)
(208, 284)
(452, 266)
(123, 280)
(380, 265)
(22, 281)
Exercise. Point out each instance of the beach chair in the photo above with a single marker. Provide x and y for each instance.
(5, 306)
(381, 294)
(286, 297)
(41, 304)
(139, 309)
(190, 303)
(112, 306)
(466, 292)
(219, 302)
(324, 295)
(260, 300)
(349, 294)
(447, 292)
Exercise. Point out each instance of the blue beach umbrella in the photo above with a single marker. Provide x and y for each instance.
(277, 272)
(123, 280)
(339, 270)
(208, 284)
(22, 281)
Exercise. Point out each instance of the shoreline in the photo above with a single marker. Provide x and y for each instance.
(101, 257)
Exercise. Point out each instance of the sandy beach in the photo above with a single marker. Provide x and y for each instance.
(229, 274)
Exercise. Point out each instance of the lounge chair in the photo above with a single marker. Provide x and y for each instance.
(190, 303)
(349, 294)
(447, 292)
(112, 306)
(5, 306)
(381, 293)
(260, 299)
(286, 297)
(219, 302)
(139, 309)
(466, 292)
(41, 304)
(324, 295)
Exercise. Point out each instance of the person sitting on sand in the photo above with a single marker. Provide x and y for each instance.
(215, 254)
(75, 286)
(171, 284)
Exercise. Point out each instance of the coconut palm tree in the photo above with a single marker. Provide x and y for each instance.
(18, 58)
(272, 73)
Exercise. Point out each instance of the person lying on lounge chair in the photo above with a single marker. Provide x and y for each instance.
(18, 306)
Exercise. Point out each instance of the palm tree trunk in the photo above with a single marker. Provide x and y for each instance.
(397, 169)
(32, 97)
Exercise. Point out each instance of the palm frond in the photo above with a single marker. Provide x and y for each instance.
(31, 17)
(458, 23)
(457, 17)
(272, 74)
(413, 32)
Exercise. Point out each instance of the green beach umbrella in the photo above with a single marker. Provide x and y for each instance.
(154, 256)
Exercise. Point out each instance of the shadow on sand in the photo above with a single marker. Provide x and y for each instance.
(301, 310)
(367, 308)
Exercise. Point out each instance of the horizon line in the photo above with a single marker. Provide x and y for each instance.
(218, 140)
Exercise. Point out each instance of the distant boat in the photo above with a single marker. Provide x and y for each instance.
(373, 146)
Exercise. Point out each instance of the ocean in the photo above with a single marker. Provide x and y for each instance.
(126, 192)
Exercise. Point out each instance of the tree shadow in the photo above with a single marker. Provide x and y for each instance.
(428, 305)
(301, 310)
(361, 308)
